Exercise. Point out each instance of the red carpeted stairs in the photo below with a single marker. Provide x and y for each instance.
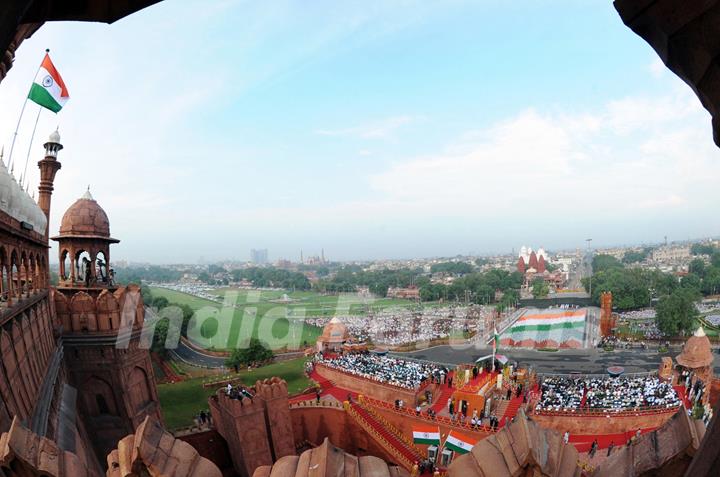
(511, 409)
(400, 447)
(322, 382)
(446, 393)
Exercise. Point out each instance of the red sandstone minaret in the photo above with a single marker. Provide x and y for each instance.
(48, 168)
(101, 325)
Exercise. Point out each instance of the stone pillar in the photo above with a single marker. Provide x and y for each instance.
(242, 423)
(48, 168)
(275, 396)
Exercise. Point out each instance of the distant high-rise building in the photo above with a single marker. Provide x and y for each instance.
(259, 256)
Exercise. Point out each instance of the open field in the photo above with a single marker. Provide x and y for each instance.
(266, 314)
(313, 303)
(263, 320)
(181, 401)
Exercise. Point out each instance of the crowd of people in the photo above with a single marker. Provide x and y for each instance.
(238, 392)
(387, 369)
(393, 327)
(611, 393)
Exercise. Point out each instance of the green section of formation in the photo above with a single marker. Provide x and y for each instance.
(548, 327)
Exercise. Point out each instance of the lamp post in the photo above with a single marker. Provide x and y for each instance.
(589, 267)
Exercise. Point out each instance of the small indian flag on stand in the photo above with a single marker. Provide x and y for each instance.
(426, 435)
(459, 443)
(48, 90)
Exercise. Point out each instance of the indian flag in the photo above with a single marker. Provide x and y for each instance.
(459, 443)
(48, 89)
(426, 435)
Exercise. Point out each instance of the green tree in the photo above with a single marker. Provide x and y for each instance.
(255, 352)
(160, 302)
(630, 287)
(456, 268)
(702, 249)
(604, 262)
(159, 337)
(697, 266)
(676, 313)
(633, 256)
(715, 259)
(711, 281)
(691, 281)
(540, 288)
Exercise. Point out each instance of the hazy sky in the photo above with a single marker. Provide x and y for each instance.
(372, 129)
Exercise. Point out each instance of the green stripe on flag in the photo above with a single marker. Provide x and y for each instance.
(41, 96)
(454, 448)
(418, 440)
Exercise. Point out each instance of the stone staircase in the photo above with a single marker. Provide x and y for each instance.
(389, 438)
(511, 408)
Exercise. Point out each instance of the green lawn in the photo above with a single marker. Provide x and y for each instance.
(181, 401)
(278, 324)
(263, 319)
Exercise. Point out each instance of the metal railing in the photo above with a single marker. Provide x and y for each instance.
(597, 412)
(399, 434)
(404, 411)
(370, 429)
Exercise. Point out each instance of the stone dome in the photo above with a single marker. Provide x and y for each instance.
(85, 218)
(335, 331)
(54, 137)
(696, 353)
(17, 203)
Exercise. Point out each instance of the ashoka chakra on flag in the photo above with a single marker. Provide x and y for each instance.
(48, 90)
(426, 435)
(459, 443)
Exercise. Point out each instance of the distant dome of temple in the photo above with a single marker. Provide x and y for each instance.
(85, 218)
(696, 353)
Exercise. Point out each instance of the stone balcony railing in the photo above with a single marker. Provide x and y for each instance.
(12, 305)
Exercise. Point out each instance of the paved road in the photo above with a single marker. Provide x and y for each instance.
(191, 356)
(589, 361)
(196, 358)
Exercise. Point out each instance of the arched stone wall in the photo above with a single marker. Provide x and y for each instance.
(139, 388)
(96, 391)
(82, 313)
(108, 311)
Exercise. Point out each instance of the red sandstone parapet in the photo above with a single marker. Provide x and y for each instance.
(155, 452)
(32, 455)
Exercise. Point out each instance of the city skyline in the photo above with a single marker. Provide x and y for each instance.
(385, 135)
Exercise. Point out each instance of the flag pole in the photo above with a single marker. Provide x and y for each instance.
(12, 145)
(494, 346)
(27, 158)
